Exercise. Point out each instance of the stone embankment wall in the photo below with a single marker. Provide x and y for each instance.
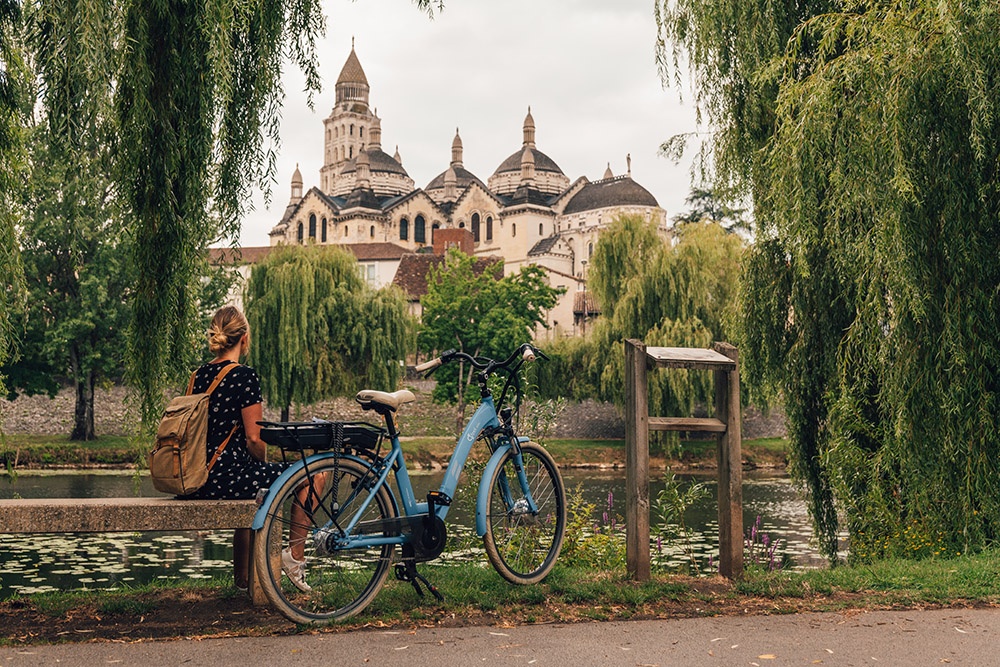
(113, 416)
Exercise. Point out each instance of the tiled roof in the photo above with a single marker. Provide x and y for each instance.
(411, 275)
(618, 191)
(254, 254)
(544, 246)
(352, 71)
(246, 255)
(584, 303)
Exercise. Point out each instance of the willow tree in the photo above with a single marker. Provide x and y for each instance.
(677, 295)
(870, 296)
(198, 98)
(14, 112)
(319, 330)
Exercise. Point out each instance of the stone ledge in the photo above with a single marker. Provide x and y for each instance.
(108, 515)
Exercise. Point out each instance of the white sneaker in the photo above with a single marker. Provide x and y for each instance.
(295, 570)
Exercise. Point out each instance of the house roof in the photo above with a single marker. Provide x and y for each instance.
(411, 275)
(254, 254)
(584, 303)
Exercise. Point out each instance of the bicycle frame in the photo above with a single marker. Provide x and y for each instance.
(484, 417)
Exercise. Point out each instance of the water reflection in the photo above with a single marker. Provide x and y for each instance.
(34, 563)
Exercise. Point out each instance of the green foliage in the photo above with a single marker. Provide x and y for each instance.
(470, 309)
(679, 295)
(15, 108)
(672, 503)
(74, 317)
(198, 94)
(318, 330)
(870, 297)
(590, 543)
(706, 207)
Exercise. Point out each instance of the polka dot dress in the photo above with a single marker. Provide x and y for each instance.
(237, 474)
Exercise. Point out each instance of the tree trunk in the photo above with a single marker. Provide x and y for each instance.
(83, 418)
(284, 414)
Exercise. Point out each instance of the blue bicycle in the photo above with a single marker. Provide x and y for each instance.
(333, 513)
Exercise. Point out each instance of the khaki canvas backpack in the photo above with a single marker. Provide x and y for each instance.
(179, 462)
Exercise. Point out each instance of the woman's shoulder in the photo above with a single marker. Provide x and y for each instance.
(236, 370)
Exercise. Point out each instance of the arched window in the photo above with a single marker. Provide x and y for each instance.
(323, 237)
(489, 228)
(475, 228)
(361, 131)
(336, 132)
(513, 230)
(404, 229)
(419, 232)
(345, 231)
(350, 152)
(433, 227)
(371, 231)
(312, 225)
(461, 225)
(352, 129)
(590, 250)
(300, 233)
(541, 229)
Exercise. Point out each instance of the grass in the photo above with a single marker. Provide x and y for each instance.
(476, 595)
(47, 450)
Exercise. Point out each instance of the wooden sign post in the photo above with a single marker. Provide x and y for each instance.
(723, 360)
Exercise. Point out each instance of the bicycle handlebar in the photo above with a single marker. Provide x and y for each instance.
(526, 351)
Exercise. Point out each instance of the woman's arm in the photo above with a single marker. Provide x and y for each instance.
(251, 415)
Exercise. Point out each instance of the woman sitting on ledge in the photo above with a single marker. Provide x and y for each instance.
(242, 469)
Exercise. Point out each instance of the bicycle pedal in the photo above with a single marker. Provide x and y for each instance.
(402, 572)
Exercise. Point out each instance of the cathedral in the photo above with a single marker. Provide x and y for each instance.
(527, 212)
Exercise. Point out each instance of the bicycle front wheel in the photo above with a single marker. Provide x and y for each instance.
(523, 544)
(335, 583)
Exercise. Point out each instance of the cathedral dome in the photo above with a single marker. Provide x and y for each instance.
(379, 161)
(463, 179)
(542, 163)
(605, 193)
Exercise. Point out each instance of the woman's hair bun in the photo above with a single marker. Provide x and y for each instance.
(228, 327)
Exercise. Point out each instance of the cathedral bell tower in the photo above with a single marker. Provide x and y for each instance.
(348, 128)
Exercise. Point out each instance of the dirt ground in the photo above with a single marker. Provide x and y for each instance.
(186, 613)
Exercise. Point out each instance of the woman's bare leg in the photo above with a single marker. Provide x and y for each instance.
(300, 514)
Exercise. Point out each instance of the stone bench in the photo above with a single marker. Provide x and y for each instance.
(111, 515)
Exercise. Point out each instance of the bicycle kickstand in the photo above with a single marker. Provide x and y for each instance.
(407, 571)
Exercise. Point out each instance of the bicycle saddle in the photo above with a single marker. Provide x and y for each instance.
(370, 398)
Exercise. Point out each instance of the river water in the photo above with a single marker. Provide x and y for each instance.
(36, 563)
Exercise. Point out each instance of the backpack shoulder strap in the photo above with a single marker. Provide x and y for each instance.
(218, 378)
(191, 383)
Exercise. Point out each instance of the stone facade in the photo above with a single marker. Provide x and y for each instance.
(527, 212)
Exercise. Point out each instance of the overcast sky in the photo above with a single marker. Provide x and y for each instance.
(586, 67)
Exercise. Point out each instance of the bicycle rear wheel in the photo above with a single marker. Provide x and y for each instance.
(342, 582)
(523, 545)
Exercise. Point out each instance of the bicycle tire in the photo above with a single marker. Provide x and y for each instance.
(343, 582)
(523, 546)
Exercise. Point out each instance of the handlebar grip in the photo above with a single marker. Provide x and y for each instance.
(528, 354)
(428, 365)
